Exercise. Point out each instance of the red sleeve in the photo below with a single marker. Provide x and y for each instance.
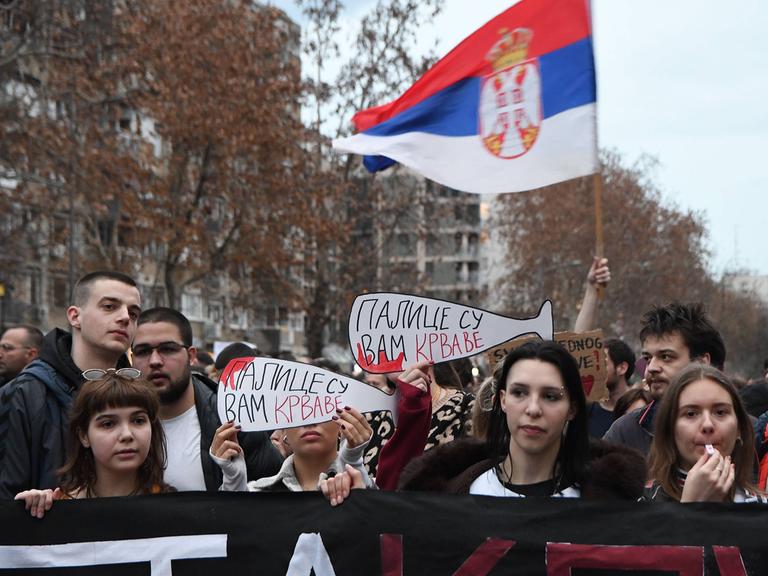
(414, 416)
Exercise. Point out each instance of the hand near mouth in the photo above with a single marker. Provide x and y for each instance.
(710, 479)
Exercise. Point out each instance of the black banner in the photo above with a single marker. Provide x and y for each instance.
(380, 533)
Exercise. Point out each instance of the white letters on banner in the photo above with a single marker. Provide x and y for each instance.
(157, 551)
(389, 331)
(310, 555)
(265, 394)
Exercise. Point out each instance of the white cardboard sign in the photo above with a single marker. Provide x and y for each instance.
(388, 331)
(265, 394)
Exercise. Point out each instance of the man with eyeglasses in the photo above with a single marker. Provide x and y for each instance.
(34, 406)
(164, 353)
(18, 347)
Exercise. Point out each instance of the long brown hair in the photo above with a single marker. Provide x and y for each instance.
(664, 457)
(113, 391)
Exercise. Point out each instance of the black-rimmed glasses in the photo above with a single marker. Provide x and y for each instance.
(98, 373)
(164, 349)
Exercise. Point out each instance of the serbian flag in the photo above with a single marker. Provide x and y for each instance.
(511, 108)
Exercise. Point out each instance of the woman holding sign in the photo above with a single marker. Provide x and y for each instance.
(315, 459)
(703, 449)
(537, 444)
(450, 417)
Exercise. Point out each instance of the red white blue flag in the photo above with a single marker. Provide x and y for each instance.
(511, 108)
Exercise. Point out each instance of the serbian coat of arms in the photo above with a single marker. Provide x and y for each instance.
(510, 97)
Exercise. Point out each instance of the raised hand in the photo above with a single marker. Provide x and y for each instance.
(419, 375)
(225, 444)
(599, 274)
(353, 426)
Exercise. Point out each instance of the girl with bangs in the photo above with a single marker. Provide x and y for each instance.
(115, 445)
(703, 449)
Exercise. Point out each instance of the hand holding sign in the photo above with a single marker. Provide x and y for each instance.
(388, 330)
(354, 427)
(420, 376)
(265, 394)
(225, 444)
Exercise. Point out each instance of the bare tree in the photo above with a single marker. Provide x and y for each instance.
(346, 260)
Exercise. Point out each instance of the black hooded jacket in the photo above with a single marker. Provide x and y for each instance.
(34, 417)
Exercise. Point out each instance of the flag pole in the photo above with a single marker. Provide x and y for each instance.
(597, 186)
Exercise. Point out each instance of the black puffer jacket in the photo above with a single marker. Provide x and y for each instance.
(612, 473)
(34, 417)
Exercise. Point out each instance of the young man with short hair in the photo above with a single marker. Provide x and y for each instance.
(18, 347)
(34, 407)
(164, 353)
(620, 364)
(672, 337)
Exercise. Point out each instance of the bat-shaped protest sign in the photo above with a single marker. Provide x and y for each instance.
(265, 394)
(388, 331)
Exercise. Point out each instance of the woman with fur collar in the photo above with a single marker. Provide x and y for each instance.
(537, 443)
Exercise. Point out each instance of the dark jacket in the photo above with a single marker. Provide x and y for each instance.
(635, 429)
(34, 417)
(755, 398)
(261, 458)
(612, 473)
(655, 493)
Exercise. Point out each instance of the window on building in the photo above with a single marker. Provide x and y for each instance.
(271, 314)
(457, 239)
(406, 244)
(192, 306)
(443, 273)
(60, 293)
(472, 243)
(474, 272)
(216, 312)
(35, 287)
(105, 229)
(472, 214)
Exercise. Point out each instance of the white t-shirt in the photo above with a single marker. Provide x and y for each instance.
(184, 470)
(488, 484)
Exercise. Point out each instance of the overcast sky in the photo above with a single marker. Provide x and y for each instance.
(683, 80)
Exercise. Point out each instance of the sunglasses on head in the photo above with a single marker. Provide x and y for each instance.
(98, 373)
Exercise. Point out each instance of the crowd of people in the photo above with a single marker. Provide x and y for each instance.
(123, 404)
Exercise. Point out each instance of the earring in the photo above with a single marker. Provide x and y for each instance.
(565, 429)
